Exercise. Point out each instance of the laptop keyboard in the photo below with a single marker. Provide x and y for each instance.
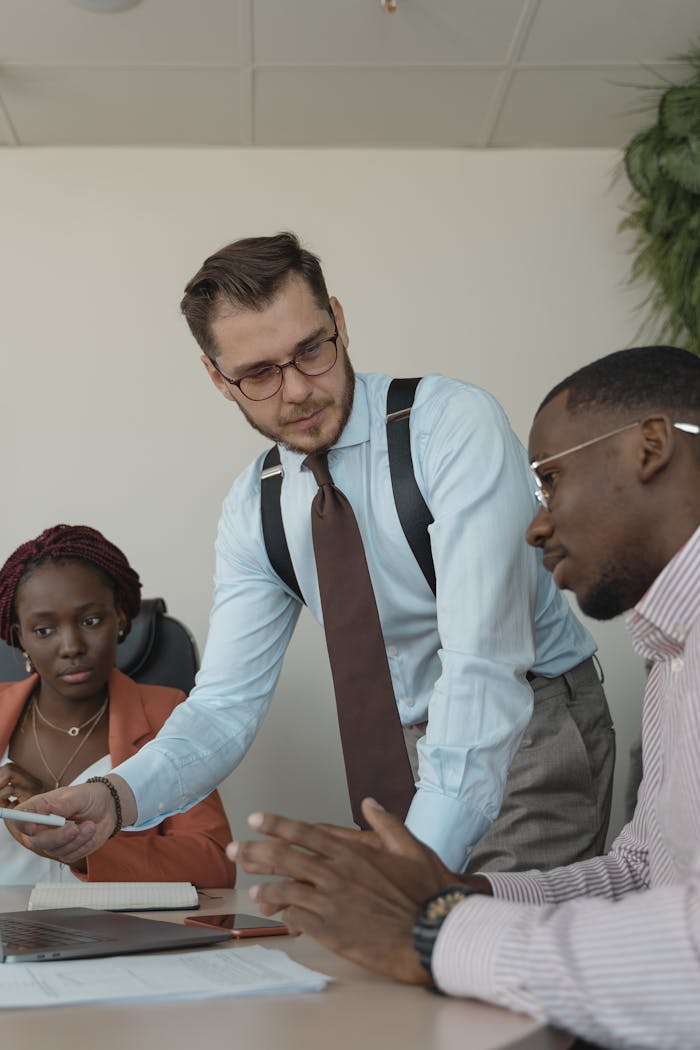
(22, 935)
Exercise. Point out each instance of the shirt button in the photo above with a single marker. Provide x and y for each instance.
(679, 630)
(161, 807)
(409, 701)
(392, 650)
(677, 664)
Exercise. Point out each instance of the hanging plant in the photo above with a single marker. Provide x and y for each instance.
(663, 167)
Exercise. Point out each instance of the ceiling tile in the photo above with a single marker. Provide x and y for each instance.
(122, 107)
(577, 107)
(56, 32)
(359, 31)
(614, 31)
(334, 72)
(396, 107)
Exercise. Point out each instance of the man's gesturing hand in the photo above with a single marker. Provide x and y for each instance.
(90, 813)
(359, 899)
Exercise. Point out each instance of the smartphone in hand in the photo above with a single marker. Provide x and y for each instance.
(239, 924)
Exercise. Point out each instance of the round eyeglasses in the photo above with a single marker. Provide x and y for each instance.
(266, 381)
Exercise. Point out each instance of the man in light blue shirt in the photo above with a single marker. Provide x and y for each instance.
(463, 664)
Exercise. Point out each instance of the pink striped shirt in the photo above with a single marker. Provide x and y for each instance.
(611, 948)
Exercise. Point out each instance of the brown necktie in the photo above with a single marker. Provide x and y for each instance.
(376, 761)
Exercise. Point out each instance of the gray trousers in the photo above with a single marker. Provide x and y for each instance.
(556, 805)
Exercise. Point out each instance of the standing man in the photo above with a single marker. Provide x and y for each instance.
(608, 948)
(459, 669)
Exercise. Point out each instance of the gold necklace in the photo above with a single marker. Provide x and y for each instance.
(74, 730)
(57, 779)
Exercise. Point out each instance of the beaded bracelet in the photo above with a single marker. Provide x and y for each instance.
(117, 801)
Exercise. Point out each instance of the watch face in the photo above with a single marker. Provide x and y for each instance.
(439, 906)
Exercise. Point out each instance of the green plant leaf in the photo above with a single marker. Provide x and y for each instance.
(642, 161)
(663, 213)
(669, 210)
(679, 111)
(680, 161)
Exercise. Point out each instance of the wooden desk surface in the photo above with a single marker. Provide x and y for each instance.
(357, 1011)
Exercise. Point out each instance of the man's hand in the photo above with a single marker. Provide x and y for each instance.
(90, 814)
(358, 898)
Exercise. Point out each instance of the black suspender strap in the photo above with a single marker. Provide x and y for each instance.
(414, 513)
(272, 525)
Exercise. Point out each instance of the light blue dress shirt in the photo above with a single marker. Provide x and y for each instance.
(457, 661)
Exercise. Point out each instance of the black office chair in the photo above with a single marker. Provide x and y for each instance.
(159, 650)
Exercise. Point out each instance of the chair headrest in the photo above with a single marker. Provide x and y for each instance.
(134, 651)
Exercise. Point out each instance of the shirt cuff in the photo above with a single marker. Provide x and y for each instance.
(151, 779)
(448, 825)
(473, 949)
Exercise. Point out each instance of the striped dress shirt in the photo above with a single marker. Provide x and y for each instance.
(610, 948)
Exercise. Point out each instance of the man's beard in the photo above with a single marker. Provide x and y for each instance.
(307, 409)
(618, 589)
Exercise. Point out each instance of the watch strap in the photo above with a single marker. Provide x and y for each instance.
(431, 917)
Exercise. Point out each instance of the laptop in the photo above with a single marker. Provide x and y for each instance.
(81, 933)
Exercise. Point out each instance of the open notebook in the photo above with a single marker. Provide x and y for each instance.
(114, 896)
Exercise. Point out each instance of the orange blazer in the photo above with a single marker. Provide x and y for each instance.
(187, 847)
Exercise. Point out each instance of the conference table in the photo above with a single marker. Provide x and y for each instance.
(358, 1010)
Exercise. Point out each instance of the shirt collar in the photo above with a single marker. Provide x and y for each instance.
(355, 431)
(660, 622)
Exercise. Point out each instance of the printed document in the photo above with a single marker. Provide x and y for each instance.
(210, 974)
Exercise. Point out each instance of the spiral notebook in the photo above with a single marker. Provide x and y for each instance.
(114, 896)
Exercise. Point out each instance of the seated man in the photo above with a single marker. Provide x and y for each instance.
(608, 948)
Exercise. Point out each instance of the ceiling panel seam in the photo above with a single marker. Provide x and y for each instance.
(498, 99)
(7, 119)
(246, 102)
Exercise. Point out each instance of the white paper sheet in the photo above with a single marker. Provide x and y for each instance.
(210, 974)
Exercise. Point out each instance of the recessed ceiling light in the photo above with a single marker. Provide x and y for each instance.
(106, 5)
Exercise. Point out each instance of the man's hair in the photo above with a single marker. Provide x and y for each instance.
(643, 379)
(61, 544)
(247, 275)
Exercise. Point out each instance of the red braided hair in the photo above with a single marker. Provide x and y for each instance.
(68, 543)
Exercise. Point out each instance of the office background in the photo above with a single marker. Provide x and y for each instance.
(500, 267)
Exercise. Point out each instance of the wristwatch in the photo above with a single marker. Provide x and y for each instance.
(431, 917)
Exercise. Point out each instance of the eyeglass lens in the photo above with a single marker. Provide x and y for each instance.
(313, 361)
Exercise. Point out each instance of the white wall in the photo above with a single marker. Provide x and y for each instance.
(502, 267)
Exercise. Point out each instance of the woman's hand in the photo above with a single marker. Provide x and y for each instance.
(17, 785)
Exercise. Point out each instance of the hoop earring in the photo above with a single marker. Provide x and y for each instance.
(28, 666)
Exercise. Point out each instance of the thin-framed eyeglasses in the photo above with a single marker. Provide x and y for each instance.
(266, 381)
(542, 492)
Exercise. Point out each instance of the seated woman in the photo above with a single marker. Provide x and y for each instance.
(66, 599)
